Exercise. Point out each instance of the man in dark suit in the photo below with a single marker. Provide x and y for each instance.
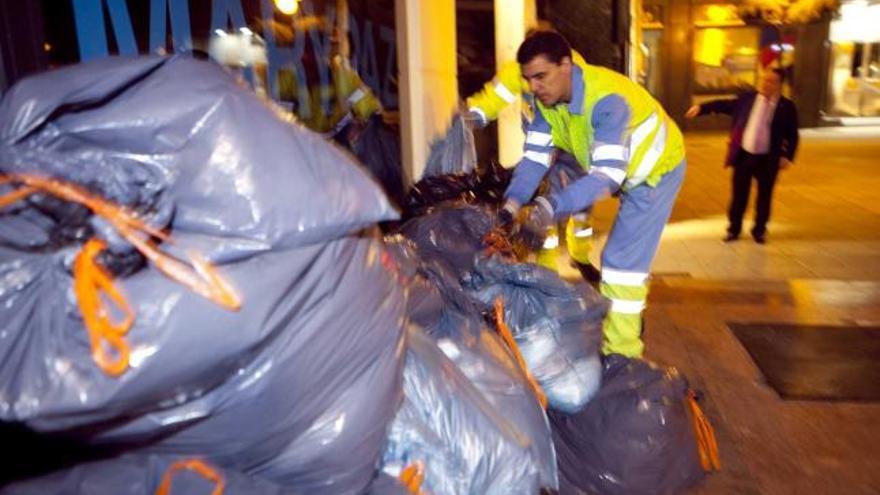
(763, 140)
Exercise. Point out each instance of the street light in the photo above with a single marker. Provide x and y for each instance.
(287, 7)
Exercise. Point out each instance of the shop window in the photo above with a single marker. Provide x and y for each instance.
(716, 15)
(726, 60)
(650, 56)
(255, 37)
(652, 70)
(854, 72)
(725, 52)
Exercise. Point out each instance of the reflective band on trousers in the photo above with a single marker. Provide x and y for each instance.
(609, 152)
(551, 242)
(627, 307)
(536, 156)
(588, 232)
(615, 174)
(504, 93)
(539, 138)
(650, 158)
(620, 277)
(356, 96)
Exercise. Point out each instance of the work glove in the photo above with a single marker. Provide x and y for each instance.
(507, 215)
(537, 223)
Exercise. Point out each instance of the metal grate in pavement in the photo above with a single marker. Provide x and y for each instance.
(815, 362)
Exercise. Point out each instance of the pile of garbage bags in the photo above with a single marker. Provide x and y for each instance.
(296, 385)
(194, 294)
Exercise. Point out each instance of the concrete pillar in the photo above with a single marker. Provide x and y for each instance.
(512, 18)
(678, 65)
(427, 77)
(811, 65)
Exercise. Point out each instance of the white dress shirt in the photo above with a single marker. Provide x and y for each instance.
(756, 138)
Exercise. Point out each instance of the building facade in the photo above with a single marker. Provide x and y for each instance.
(697, 50)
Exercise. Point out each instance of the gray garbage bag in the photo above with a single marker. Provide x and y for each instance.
(635, 437)
(140, 475)
(455, 152)
(557, 326)
(439, 306)
(178, 134)
(451, 236)
(385, 484)
(466, 443)
(307, 373)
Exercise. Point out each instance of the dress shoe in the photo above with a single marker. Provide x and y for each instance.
(588, 272)
(730, 237)
(759, 238)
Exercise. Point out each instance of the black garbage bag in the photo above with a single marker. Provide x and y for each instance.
(634, 437)
(306, 373)
(144, 475)
(481, 186)
(377, 146)
(557, 326)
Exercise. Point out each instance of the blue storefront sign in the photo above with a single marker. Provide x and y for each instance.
(172, 17)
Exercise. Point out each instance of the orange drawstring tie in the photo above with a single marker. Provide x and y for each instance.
(504, 331)
(412, 478)
(90, 280)
(706, 444)
(202, 278)
(196, 465)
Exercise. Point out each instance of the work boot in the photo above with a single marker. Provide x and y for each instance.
(588, 272)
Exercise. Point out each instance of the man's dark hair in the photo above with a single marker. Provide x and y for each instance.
(779, 72)
(547, 43)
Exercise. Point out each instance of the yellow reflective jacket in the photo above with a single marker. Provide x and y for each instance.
(651, 143)
(328, 107)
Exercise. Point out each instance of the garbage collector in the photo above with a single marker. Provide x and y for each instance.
(484, 107)
(627, 145)
(329, 96)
